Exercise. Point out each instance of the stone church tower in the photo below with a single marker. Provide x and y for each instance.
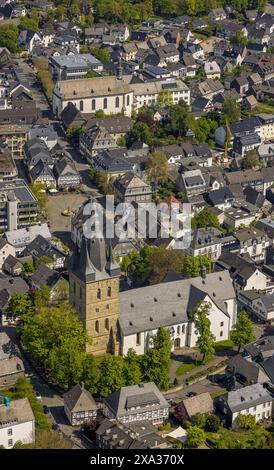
(94, 294)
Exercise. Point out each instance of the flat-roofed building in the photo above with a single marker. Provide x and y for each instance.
(71, 67)
(18, 205)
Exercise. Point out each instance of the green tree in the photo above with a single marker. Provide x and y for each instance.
(206, 339)
(31, 24)
(100, 54)
(56, 340)
(178, 120)
(161, 261)
(19, 305)
(28, 267)
(157, 167)
(243, 331)
(104, 181)
(91, 373)
(205, 218)
(9, 37)
(250, 160)
(111, 375)
(239, 38)
(140, 131)
(195, 437)
(121, 141)
(212, 423)
(246, 421)
(231, 110)
(193, 264)
(198, 420)
(41, 297)
(156, 362)
(132, 370)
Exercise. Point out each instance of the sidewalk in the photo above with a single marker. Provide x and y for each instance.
(181, 379)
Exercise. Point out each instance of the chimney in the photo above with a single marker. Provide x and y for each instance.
(120, 69)
(203, 271)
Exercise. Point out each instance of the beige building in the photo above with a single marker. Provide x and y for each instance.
(94, 294)
(89, 95)
(114, 96)
(14, 137)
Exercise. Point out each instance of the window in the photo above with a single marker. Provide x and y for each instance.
(138, 339)
(98, 293)
(81, 105)
(222, 323)
(127, 100)
(93, 104)
(80, 292)
(97, 326)
(109, 291)
(221, 333)
(10, 432)
(117, 102)
(107, 324)
(178, 329)
(10, 443)
(105, 103)
(183, 329)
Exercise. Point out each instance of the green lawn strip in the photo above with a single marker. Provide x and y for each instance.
(223, 345)
(218, 393)
(188, 366)
(265, 108)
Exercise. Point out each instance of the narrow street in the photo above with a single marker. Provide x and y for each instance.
(49, 397)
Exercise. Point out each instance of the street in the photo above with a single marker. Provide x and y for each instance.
(50, 398)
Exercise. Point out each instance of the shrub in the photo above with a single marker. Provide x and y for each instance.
(212, 423)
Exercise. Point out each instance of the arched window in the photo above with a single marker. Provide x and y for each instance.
(97, 326)
(98, 293)
(81, 105)
(105, 103)
(93, 104)
(117, 102)
(107, 324)
(109, 291)
(178, 329)
(127, 100)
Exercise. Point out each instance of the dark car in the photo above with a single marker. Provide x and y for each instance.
(45, 409)
(191, 394)
(56, 427)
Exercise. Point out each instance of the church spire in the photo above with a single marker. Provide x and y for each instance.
(112, 267)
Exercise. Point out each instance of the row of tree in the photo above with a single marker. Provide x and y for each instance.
(56, 340)
(152, 264)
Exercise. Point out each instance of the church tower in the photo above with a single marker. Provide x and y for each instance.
(94, 294)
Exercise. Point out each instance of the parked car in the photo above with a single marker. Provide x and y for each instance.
(38, 396)
(46, 409)
(56, 427)
(191, 394)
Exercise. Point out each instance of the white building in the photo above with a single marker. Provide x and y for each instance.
(113, 95)
(16, 423)
(212, 70)
(144, 310)
(254, 400)
(253, 242)
(89, 95)
(5, 250)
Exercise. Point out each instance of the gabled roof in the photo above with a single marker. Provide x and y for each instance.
(79, 399)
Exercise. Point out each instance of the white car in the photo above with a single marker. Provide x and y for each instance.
(38, 396)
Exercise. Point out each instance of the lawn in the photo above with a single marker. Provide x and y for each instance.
(265, 108)
(219, 393)
(188, 366)
(222, 346)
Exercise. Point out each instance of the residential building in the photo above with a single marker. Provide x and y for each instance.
(245, 143)
(205, 242)
(46, 133)
(8, 170)
(191, 182)
(239, 214)
(66, 173)
(18, 205)
(212, 70)
(95, 140)
(259, 304)
(5, 250)
(12, 367)
(42, 173)
(43, 248)
(79, 406)
(130, 187)
(14, 138)
(254, 400)
(17, 423)
(21, 238)
(188, 407)
(254, 242)
(221, 198)
(71, 67)
(142, 402)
